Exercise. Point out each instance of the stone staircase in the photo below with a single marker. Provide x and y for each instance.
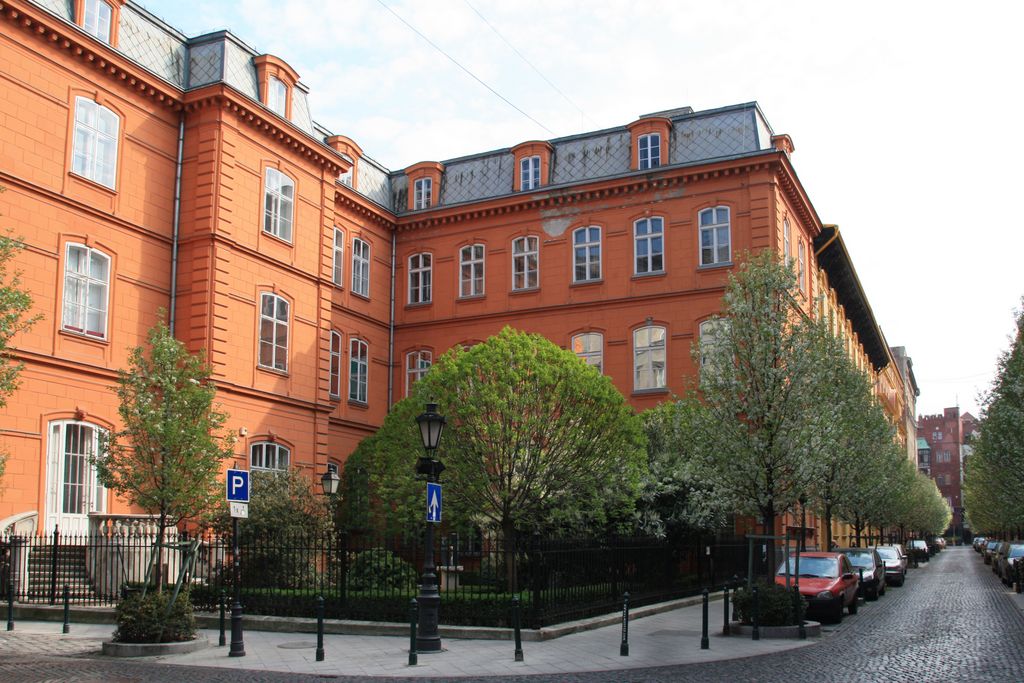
(71, 571)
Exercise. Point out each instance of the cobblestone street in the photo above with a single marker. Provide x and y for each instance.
(953, 621)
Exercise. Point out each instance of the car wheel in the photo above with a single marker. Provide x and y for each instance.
(881, 591)
(853, 606)
(872, 596)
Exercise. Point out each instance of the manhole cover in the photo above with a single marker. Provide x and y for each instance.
(297, 645)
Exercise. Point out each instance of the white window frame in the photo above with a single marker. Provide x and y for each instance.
(94, 149)
(279, 327)
(473, 258)
(277, 96)
(523, 248)
(417, 363)
(334, 372)
(583, 345)
(529, 173)
(645, 373)
(66, 483)
(787, 242)
(273, 457)
(338, 264)
(86, 293)
(360, 267)
(358, 370)
(648, 151)
(278, 204)
(653, 241)
(584, 254)
(713, 230)
(709, 335)
(421, 276)
(97, 19)
(423, 190)
(801, 265)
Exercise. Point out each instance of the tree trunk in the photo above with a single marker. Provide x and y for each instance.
(508, 532)
(828, 526)
(857, 525)
(160, 552)
(768, 516)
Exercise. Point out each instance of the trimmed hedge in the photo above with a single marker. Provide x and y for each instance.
(776, 605)
(141, 619)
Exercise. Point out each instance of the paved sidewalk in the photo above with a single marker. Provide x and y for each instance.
(665, 639)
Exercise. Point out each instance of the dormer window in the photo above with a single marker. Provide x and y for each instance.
(529, 169)
(650, 136)
(423, 189)
(96, 19)
(277, 96)
(649, 151)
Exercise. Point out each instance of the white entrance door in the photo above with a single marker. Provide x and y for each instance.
(73, 490)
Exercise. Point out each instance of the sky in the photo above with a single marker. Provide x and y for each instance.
(905, 119)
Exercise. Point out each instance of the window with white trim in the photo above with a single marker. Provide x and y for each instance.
(361, 267)
(710, 340)
(586, 254)
(525, 263)
(715, 241)
(335, 372)
(590, 347)
(278, 204)
(337, 272)
(277, 96)
(787, 236)
(358, 368)
(422, 189)
(421, 273)
(649, 151)
(471, 270)
(417, 363)
(76, 487)
(86, 291)
(649, 358)
(529, 173)
(269, 456)
(649, 246)
(801, 265)
(94, 151)
(97, 19)
(273, 332)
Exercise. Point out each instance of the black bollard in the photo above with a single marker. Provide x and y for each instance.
(413, 617)
(704, 644)
(860, 587)
(10, 606)
(222, 641)
(735, 587)
(725, 610)
(801, 629)
(624, 647)
(319, 628)
(515, 625)
(756, 632)
(67, 610)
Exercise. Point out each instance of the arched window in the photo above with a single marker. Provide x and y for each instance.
(649, 151)
(420, 277)
(94, 154)
(525, 263)
(423, 191)
(590, 347)
(358, 368)
(339, 258)
(649, 246)
(273, 332)
(715, 238)
(86, 290)
(335, 373)
(801, 265)
(471, 270)
(649, 358)
(270, 456)
(97, 19)
(277, 96)
(278, 204)
(74, 489)
(417, 363)
(710, 342)
(586, 254)
(361, 267)
(529, 173)
(787, 242)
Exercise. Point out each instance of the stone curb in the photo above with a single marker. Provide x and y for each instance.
(812, 628)
(112, 649)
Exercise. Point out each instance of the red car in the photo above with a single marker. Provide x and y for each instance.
(827, 583)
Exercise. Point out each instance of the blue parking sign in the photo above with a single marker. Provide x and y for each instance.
(237, 484)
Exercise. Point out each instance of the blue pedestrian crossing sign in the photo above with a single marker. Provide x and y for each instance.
(237, 483)
(433, 502)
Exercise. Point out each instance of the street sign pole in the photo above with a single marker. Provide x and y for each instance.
(237, 489)
(428, 639)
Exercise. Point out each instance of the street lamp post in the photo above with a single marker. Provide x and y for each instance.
(431, 424)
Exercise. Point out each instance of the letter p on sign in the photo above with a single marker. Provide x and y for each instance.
(238, 486)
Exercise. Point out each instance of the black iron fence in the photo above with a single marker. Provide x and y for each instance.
(372, 578)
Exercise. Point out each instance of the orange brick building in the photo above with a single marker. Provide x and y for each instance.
(148, 170)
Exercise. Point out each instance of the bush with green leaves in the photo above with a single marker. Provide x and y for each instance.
(378, 569)
(775, 605)
(140, 619)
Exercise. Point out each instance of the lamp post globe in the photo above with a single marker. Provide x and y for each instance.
(428, 639)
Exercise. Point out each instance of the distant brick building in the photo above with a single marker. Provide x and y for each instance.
(941, 450)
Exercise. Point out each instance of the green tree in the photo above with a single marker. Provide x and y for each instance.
(759, 374)
(535, 439)
(15, 303)
(167, 458)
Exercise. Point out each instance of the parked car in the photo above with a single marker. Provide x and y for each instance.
(872, 581)
(941, 540)
(933, 545)
(827, 582)
(918, 550)
(895, 564)
(977, 543)
(1013, 554)
(990, 548)
(998, 553)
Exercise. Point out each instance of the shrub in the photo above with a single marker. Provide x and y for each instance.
(141, 619)
(775, 605)
(378, 569)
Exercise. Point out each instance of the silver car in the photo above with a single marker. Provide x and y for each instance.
(895, 564)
